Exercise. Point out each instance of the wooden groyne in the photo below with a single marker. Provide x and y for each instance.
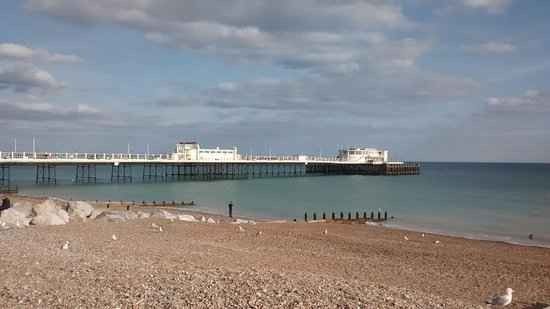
(349, 217)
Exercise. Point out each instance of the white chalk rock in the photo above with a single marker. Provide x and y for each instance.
(211, 221)
(95, 213)
(167, 215)
(48, 219)
(111, 216)
(130, 215)
(143, 215)
(241, 229)
(203, 219)
(49, 213)
(65, 245)
(80, 209)
(13, 218)
(242, 221)
(24, 207)
(187, 218)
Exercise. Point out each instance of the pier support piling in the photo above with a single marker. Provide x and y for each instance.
(85, 174)
(45, 174)
(121, 173)
(5, 175)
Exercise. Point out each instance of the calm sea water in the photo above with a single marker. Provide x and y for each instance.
(487, 201)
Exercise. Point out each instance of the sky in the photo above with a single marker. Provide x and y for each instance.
(430, 80)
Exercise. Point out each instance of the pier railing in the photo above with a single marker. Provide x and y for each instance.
(69, 156)
(80, 156)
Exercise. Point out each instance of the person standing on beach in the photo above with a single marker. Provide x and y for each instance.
(230, 207)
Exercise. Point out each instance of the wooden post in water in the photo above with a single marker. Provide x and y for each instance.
(365, 215)
(349, 216)
(305, 216)
(341, 215)
(379, 215)
(333, 216)
(385, 216)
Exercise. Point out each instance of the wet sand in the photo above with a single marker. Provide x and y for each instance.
(288, 265)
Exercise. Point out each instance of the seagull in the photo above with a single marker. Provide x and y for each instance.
(241, 229)
(114, 237)
(437, 242)
(65, 245)
(423, 235)
(501, 300)
(325, 232)
(160, 229)
(154, 225)
(406, 238)
(259, 233)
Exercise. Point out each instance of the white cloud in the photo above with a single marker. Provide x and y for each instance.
(24, 53)
(491, 47)
(297, 34)
(531, 100)
(26, 77)
(492, 6)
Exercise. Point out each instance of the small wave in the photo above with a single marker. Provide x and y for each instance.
(480, 236)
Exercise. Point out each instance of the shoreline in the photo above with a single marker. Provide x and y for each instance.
(388, 225)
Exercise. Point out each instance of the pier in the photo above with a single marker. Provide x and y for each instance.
(193, 164)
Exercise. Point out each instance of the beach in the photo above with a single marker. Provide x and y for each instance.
(260, 265)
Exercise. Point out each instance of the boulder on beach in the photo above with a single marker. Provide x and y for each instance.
(24, 207)
(187, 218)
(163, 214)
(143, 215)
(242, 221)
(95, 213)
(111, 216)
(49, 213)
(211, 221)
(80, 209)
(14, 218)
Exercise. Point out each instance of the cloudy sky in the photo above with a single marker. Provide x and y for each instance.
(455, 80)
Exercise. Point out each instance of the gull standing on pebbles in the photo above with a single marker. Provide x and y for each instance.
(406, 238)
(241, 229)
(501, 300)
(325, 232)
(114, 237)
(65, 245)
(160, 229)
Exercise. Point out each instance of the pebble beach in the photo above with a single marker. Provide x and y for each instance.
(155, 261)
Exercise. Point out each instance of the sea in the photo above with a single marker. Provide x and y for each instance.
(490, 201)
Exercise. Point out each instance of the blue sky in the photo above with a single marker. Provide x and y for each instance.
(457, 80)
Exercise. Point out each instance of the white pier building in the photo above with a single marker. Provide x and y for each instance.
(192, 151)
